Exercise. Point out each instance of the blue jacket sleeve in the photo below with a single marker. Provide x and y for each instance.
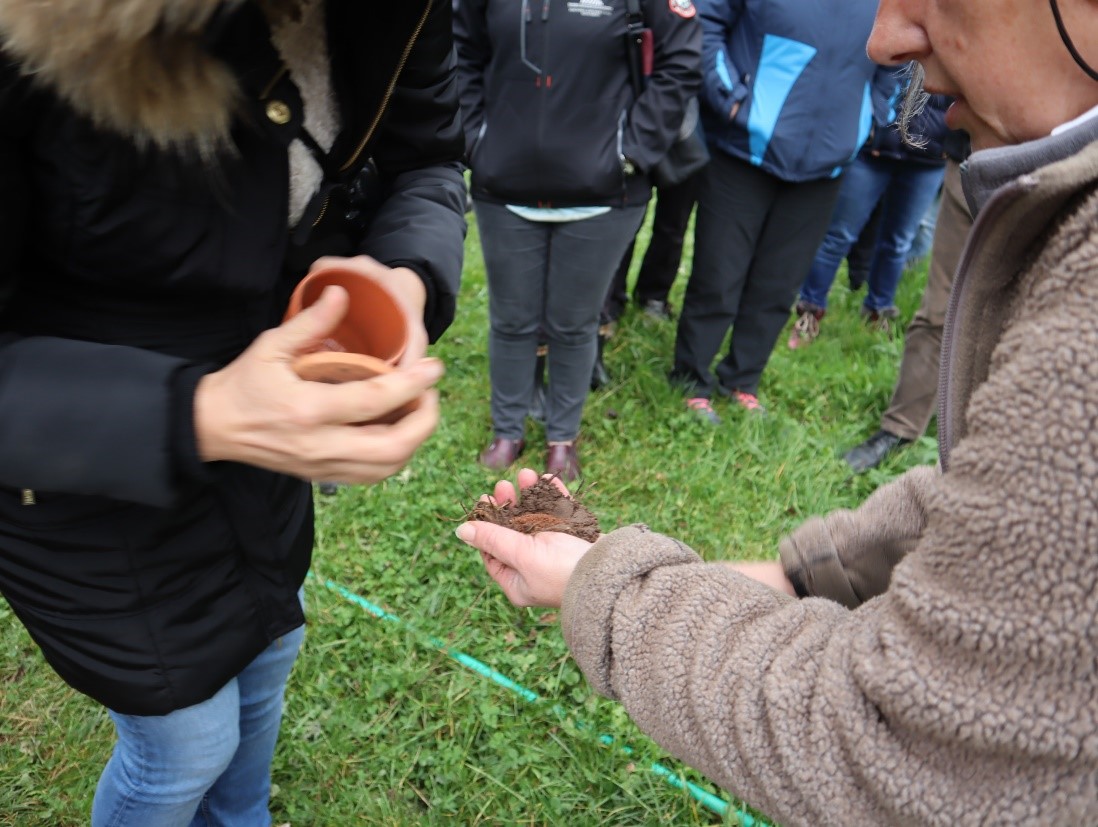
(722, 80)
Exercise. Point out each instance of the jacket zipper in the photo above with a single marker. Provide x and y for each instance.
(389, 90)
(350, 162)
(998, 204)
(28, 497)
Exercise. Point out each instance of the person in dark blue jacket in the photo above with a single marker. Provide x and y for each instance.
(789, 97)
(903, 179)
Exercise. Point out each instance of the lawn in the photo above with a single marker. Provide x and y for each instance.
(422, 696)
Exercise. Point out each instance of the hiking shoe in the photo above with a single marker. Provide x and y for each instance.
(703, 408)
(881, 320)
(872, 452)
(749, 402)
(807, 326)
(658, 310)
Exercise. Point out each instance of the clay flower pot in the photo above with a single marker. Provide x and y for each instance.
(369, 340)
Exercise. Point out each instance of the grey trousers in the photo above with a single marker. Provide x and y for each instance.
(913, 400)
(551, 275)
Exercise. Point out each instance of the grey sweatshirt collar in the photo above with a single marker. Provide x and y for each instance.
(987, 170)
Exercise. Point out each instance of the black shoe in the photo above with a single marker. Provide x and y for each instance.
(537, 401)
(659, 310)
(872, 452)
(600, 377)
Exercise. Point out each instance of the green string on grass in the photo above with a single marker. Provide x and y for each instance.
(711, 802)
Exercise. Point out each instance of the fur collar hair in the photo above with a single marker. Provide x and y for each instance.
(135, 67)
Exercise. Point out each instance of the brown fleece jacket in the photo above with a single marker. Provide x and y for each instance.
(966, 691)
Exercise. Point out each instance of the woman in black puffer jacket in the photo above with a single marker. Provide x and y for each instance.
(170, 170)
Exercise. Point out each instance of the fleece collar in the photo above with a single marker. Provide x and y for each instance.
(989, 169)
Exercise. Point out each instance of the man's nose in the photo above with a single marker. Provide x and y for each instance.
(898, 35)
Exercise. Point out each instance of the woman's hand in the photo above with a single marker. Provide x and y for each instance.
(257, 411)
(404, 285)
(532, 570)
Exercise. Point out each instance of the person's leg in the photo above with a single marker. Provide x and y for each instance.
(516, 262)
(733, 203)
(241, 793)
(163, 766)
(617, 295)
(860, 188)
(910, 192)
(913, 400)
(860, 257)
(581, 260)
(797, 220)
(660, 266)
(924, 236)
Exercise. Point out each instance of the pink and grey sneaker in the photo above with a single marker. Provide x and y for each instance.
(807, 326)
(749, 402)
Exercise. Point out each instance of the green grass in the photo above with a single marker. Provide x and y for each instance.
(383, 728)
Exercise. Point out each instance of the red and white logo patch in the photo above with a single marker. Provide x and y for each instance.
(683, 8)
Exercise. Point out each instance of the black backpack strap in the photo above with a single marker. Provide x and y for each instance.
(634, 37)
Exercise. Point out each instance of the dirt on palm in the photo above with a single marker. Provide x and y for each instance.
(541, 507)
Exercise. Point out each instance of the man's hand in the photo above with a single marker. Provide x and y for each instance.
(532, 570)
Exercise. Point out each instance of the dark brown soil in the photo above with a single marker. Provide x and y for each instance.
(542, 507)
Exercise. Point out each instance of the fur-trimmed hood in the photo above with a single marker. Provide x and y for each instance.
(136, 67)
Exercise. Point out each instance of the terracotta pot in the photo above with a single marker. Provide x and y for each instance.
(333, 368)
(374, 325)
(367, 343)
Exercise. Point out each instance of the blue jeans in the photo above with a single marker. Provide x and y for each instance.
(907, 189)
(208, 765)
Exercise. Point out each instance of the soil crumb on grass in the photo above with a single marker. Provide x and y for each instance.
(541, 507)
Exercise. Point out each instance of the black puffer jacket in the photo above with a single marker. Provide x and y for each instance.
(548, 102)
(143, 235)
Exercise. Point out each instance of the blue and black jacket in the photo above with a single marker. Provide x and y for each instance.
(929, 126)
(808, 95)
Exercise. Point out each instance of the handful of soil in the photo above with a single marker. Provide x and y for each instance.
(541, 507)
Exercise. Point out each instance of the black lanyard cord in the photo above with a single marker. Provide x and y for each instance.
(1067, 42)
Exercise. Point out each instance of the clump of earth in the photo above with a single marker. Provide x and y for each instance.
(541, 507)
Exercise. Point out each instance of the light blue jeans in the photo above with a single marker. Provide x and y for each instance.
(208, 765)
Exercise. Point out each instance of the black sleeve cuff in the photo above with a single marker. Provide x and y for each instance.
(430, 307)
(186, 462)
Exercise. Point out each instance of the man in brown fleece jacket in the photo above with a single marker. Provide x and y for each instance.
(952, 675)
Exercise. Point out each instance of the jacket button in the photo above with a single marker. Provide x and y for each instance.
(278, 112)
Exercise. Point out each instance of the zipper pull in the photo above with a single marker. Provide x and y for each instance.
(545, 11)
(28, 497)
